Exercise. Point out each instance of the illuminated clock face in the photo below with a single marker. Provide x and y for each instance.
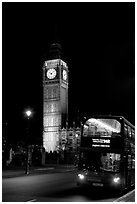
(64, 74)
(51, 73)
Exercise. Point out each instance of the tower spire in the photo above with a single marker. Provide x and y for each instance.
(55, 33)
(55, 49)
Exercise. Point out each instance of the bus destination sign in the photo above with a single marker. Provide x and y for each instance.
(113, 144)
(100, 142)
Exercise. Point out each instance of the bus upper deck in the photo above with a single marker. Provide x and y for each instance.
(107, 152)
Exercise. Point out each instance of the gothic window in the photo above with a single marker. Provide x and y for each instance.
(55, 121)
(49, 93)
(52, 107)
(54, 93)
(63, 94)
(49, 107)
(45, 93)
(55, 107)
(52, 121)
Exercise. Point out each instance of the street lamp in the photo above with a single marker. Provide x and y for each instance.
(28, 114)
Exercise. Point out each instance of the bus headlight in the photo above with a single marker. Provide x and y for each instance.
(81, 176)
(116, 180)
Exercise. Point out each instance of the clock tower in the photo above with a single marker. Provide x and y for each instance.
(55, 98)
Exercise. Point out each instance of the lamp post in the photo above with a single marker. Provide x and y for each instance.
(76, 139)
(28, 114)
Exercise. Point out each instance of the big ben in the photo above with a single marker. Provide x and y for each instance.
(55, 98)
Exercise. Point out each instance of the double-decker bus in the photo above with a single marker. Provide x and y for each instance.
(107, 153)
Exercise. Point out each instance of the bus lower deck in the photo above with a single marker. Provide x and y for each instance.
(107, 156)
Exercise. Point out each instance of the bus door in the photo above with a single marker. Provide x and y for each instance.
(127, 170)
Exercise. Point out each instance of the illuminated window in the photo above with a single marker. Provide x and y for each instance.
(101, 127)
(129, 132)
(125, 129)
(133, 134)
(133, 162)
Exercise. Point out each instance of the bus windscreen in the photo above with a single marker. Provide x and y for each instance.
(100, 161)
(101, 127)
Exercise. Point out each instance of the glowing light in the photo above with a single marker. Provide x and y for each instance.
(116, 180)
(81, 176)
(28, 113)
(76, 135)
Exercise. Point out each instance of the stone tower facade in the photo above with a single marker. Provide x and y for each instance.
(55, 98)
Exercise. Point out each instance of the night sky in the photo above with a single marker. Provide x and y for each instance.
(98, 45)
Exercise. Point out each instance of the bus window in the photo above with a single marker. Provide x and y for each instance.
(85, 131)
(100, 161)
(129, 162)
(110, 162)
(125, 130)
(133, 135)
(129, 132)
(133, 162)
